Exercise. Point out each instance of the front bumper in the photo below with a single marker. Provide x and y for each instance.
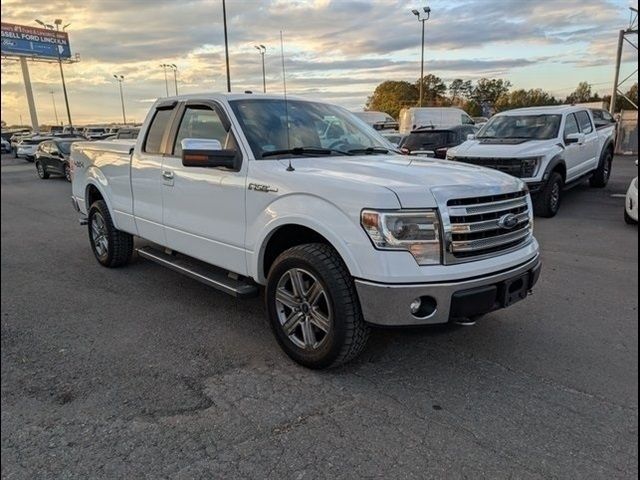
(389, 304)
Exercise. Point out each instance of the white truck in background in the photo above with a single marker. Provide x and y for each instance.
(435, 117)
(244, 191)
(550, 148)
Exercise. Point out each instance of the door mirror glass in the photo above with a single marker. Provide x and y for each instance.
(199, 152)
(574, 138)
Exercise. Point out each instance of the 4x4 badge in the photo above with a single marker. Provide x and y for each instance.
(262, 188)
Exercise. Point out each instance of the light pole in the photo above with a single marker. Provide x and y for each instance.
(226, 44)
(174, 67)
(120, 79)
(57, 23)
(55, 110)
(262, 49)
(423, 16)
(166, 82)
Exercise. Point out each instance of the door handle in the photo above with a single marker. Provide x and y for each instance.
(167, 174)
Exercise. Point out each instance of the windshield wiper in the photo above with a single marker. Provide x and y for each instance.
(304, 151)
(368, 151)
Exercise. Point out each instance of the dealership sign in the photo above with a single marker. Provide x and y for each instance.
(34, 42)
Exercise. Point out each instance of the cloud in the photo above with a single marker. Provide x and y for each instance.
(337, 48)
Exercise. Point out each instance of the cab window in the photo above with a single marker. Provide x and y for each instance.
(571, 125)
(585, 122)
(153, 142)
(203, 122)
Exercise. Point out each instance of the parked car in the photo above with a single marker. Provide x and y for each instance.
(27, 147)
(241, 191)
(631, 203)
(602, 118)
(436, 117)
(435, 142)
(127, 133)
(94, 133)
(551, 148)
(480, 121)
(17, 137)
(52, 156)
(394, 138)
(5, 146)
(378, 120)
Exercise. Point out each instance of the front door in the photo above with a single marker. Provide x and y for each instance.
(204, 208)
(573, 151)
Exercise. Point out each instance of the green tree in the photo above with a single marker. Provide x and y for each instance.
(524, 98)
(459, 88)
(392, 96)
(488, 90)
(581, 94)
(434, 90)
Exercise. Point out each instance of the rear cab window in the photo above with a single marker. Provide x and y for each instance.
(157, 128)
(584, 121)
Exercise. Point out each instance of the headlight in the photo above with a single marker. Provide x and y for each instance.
(529, 166)
(451, 155)
(417, 232)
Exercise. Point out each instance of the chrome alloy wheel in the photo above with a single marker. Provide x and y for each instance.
(303, 308)
(99, 234)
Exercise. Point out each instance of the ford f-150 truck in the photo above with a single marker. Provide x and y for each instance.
(244, 191)
(551, 148)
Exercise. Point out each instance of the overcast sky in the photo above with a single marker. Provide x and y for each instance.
(337, 50)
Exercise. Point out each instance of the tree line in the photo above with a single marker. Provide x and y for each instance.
(485, 95)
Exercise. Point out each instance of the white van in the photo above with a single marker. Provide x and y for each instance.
(437, 117)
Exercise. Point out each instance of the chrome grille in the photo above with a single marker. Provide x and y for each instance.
(475, 228)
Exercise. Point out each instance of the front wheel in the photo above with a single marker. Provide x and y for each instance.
(67, 172)
(111, 247)
(601, 176)
(42, 171)
(548, 202)
(313, 307)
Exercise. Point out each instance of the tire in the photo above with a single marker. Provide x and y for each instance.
(42, 171)
(111, 247)
(67, 172)
(29, 159)
(547, 204)
(628, 219)
(326, 331)
(601, 176)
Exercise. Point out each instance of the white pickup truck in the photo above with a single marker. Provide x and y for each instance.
(242, 191)
(551, 148)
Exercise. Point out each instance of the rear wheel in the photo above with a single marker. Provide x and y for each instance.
(42, 171)
(548, 202)
(313, 307)
(111, 247)
(601, 176)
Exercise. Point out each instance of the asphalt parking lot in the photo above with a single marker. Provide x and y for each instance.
(142, 373)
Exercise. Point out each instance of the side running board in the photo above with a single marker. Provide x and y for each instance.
(209, 275)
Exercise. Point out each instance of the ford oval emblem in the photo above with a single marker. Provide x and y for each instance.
(508, 221)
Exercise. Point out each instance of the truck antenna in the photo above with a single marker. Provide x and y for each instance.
(286, 103)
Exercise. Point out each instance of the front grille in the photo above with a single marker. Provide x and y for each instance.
(475, 229)
(517, 167)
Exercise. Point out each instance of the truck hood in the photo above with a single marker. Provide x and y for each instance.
(409, 177)
(527, 148)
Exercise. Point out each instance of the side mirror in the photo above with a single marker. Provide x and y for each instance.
(198, 152)
(471, 136)
(574, 138)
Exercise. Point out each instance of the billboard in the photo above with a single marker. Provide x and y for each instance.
(34, 42)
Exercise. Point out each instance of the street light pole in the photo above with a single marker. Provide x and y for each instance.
(55, 110)
(166, 82)
(57, 23)
(120, 79)
(262, 49)
(422, 17)
(226, 44)
(174, 67)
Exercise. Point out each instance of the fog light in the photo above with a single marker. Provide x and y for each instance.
(415, 306)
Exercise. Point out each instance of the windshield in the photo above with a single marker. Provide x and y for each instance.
(428, 140)
(534, 127)
(311, 125)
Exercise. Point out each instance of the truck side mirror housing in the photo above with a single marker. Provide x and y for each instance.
(574, 138)
(199, 152)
